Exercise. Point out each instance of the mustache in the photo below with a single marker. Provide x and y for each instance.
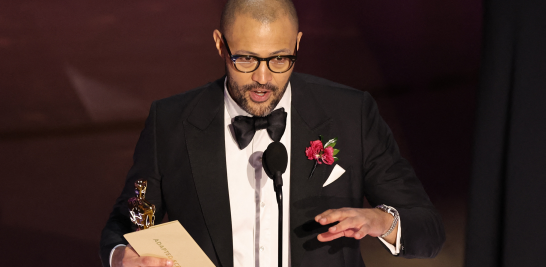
(267, 86)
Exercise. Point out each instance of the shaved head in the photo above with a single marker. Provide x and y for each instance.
(264, 11)
(264, 29)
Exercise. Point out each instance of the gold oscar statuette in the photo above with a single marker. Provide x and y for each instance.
(142, 212)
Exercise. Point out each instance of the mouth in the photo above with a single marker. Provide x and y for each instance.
(260, 95)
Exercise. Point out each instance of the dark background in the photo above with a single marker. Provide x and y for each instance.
(77, 78)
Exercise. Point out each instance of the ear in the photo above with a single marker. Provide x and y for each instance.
(299, 40)
(217, 36)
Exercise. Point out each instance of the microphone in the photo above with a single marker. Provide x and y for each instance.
(275, 161)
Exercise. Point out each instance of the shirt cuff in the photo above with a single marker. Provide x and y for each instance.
(112, 253)
(394, 250)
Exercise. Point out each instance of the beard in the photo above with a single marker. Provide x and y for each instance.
(238, 94)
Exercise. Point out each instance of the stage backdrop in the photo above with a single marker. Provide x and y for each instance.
(77, 78)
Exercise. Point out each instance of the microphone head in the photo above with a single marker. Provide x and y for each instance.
(275, 159)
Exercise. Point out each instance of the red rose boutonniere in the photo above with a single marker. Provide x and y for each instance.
(322, 153)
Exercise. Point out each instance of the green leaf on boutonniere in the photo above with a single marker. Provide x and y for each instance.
(335, 159)
(332, 142)
(335, 151)
(320, 138)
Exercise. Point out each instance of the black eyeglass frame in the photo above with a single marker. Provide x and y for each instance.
(260, 59)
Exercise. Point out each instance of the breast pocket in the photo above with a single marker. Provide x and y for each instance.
(339, 193)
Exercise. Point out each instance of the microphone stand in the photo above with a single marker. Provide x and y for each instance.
(275, 161)
(278, 191)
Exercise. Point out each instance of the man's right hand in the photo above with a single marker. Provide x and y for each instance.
(127, 257)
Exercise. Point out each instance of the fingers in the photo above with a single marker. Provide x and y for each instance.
(352, 223)
(146, 261)
(345, 224)
(358, 224)
(331, 216)
(153, 261)
(323, 215)
(326, 237)
(361, 233)
(349, 227)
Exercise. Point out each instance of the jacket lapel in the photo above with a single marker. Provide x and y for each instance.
(204, 131)
(309, 121)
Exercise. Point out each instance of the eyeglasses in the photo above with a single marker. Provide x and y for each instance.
(248, 63)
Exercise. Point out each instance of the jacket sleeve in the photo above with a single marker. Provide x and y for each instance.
(389, 179)
(144, 167)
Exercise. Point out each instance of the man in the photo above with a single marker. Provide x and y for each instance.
(204, 170)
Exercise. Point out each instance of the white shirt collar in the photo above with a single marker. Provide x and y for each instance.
(235, 110)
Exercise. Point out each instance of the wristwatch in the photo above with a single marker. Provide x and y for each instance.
(392, 211)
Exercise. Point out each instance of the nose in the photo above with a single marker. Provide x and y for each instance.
(262, 75)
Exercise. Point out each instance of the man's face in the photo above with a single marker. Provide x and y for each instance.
(260, 91)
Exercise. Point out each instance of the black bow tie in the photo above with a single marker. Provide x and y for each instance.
(245, 127)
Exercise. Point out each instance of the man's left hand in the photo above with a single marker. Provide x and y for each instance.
(356, 223)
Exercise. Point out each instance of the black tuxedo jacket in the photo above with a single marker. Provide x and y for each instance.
(181, 153)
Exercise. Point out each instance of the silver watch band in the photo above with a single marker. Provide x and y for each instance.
(392, 211)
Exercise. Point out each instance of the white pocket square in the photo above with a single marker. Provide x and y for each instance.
(336, 173)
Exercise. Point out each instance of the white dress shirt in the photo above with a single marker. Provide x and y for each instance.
(254, 210)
